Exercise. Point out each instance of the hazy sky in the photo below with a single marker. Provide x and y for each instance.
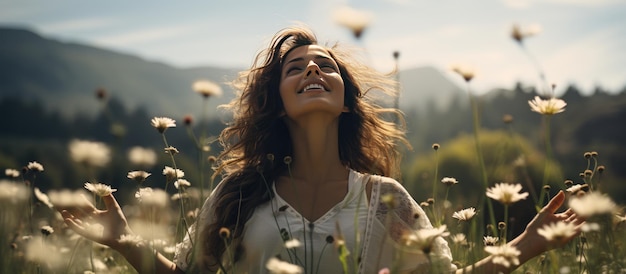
(581, 41)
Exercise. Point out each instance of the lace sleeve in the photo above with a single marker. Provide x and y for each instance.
(184, 249)
(402, 216)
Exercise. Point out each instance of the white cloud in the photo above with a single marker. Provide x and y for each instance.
(518, 4)
(141, 36)
(525, 4)
(78, 25)
(588, 2)
(599, 53)
(400, 2)
(13, 13)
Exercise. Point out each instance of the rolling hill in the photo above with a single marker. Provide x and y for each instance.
(65, 75)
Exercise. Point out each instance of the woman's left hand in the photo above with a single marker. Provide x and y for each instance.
(548, 216)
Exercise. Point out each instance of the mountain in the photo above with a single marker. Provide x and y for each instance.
(65, 76)
(425, 87)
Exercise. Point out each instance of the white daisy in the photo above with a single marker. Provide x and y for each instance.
(181, 183)
(459, 239)
(46, 230)
(42, 197)
(575, 188)
(138, 175)
(94, 154)
(353, 19)
(424, 238)
(464, 214)
(207, 88)
(449, 181)
(35, 166)
(13, 173)
(557, 231)
(506, 193)
(65, 198)
(465, 71)
(13, 192)
(152, 197)
(99, 189)
(490, 240)
(293, 243)
(518, 34)
(547, 107)
(130, 239)
(276, 266)
(504, 255)
(591, 204)
(162, 123)
(171, 173)
(140, 156)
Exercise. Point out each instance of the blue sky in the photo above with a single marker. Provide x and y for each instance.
(581, 41)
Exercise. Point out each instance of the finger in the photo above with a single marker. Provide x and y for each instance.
(579, 226)
(571, 218)
(578, 220)
(555, 202)
(76, 226)
(82, 229)
(110, 202)
(565, 215)
(69, 217)
(66, 214)
(87, 205)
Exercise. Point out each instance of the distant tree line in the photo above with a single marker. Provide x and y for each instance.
(590, 123)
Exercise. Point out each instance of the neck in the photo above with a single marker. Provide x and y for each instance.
(316, 150)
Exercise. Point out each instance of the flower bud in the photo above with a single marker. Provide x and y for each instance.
(287, 160)
(188, 120)
(224, 233)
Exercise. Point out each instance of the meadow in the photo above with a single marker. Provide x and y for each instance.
(161, 202)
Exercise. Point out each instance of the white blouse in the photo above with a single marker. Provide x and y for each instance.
(371, 231)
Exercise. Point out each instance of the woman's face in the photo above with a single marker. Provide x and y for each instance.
(311, 83)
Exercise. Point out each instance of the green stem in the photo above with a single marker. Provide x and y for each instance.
(201, 148)
(546, 169)
(304, 225)
(542, 75)
(506, 223)
(481, 161)
(69, 263)
(30, 205)
(173, 161)
(317, 269)
(182, 218)
(434, 211)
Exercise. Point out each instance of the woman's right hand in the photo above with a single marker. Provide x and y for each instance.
(112, 219)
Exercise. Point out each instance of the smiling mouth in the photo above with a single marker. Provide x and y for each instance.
(312, 87)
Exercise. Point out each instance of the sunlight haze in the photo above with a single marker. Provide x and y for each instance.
(581, 41)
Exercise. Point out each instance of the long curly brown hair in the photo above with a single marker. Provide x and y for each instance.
(257, 140)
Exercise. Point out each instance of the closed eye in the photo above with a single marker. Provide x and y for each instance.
(293, 69)
(328, 68)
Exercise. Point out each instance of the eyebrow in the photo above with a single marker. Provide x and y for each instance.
(302, 59)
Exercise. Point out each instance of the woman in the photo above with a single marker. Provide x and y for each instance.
(297, 162)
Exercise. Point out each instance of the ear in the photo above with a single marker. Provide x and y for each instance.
(345, 109)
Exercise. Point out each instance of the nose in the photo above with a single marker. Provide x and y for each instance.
(312, 68)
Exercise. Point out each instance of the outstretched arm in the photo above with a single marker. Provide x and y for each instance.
(143, 258)
(530, 243)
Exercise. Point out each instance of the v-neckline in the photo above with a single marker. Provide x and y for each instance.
(328, 214)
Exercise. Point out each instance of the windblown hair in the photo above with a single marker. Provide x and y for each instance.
(257, 141)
